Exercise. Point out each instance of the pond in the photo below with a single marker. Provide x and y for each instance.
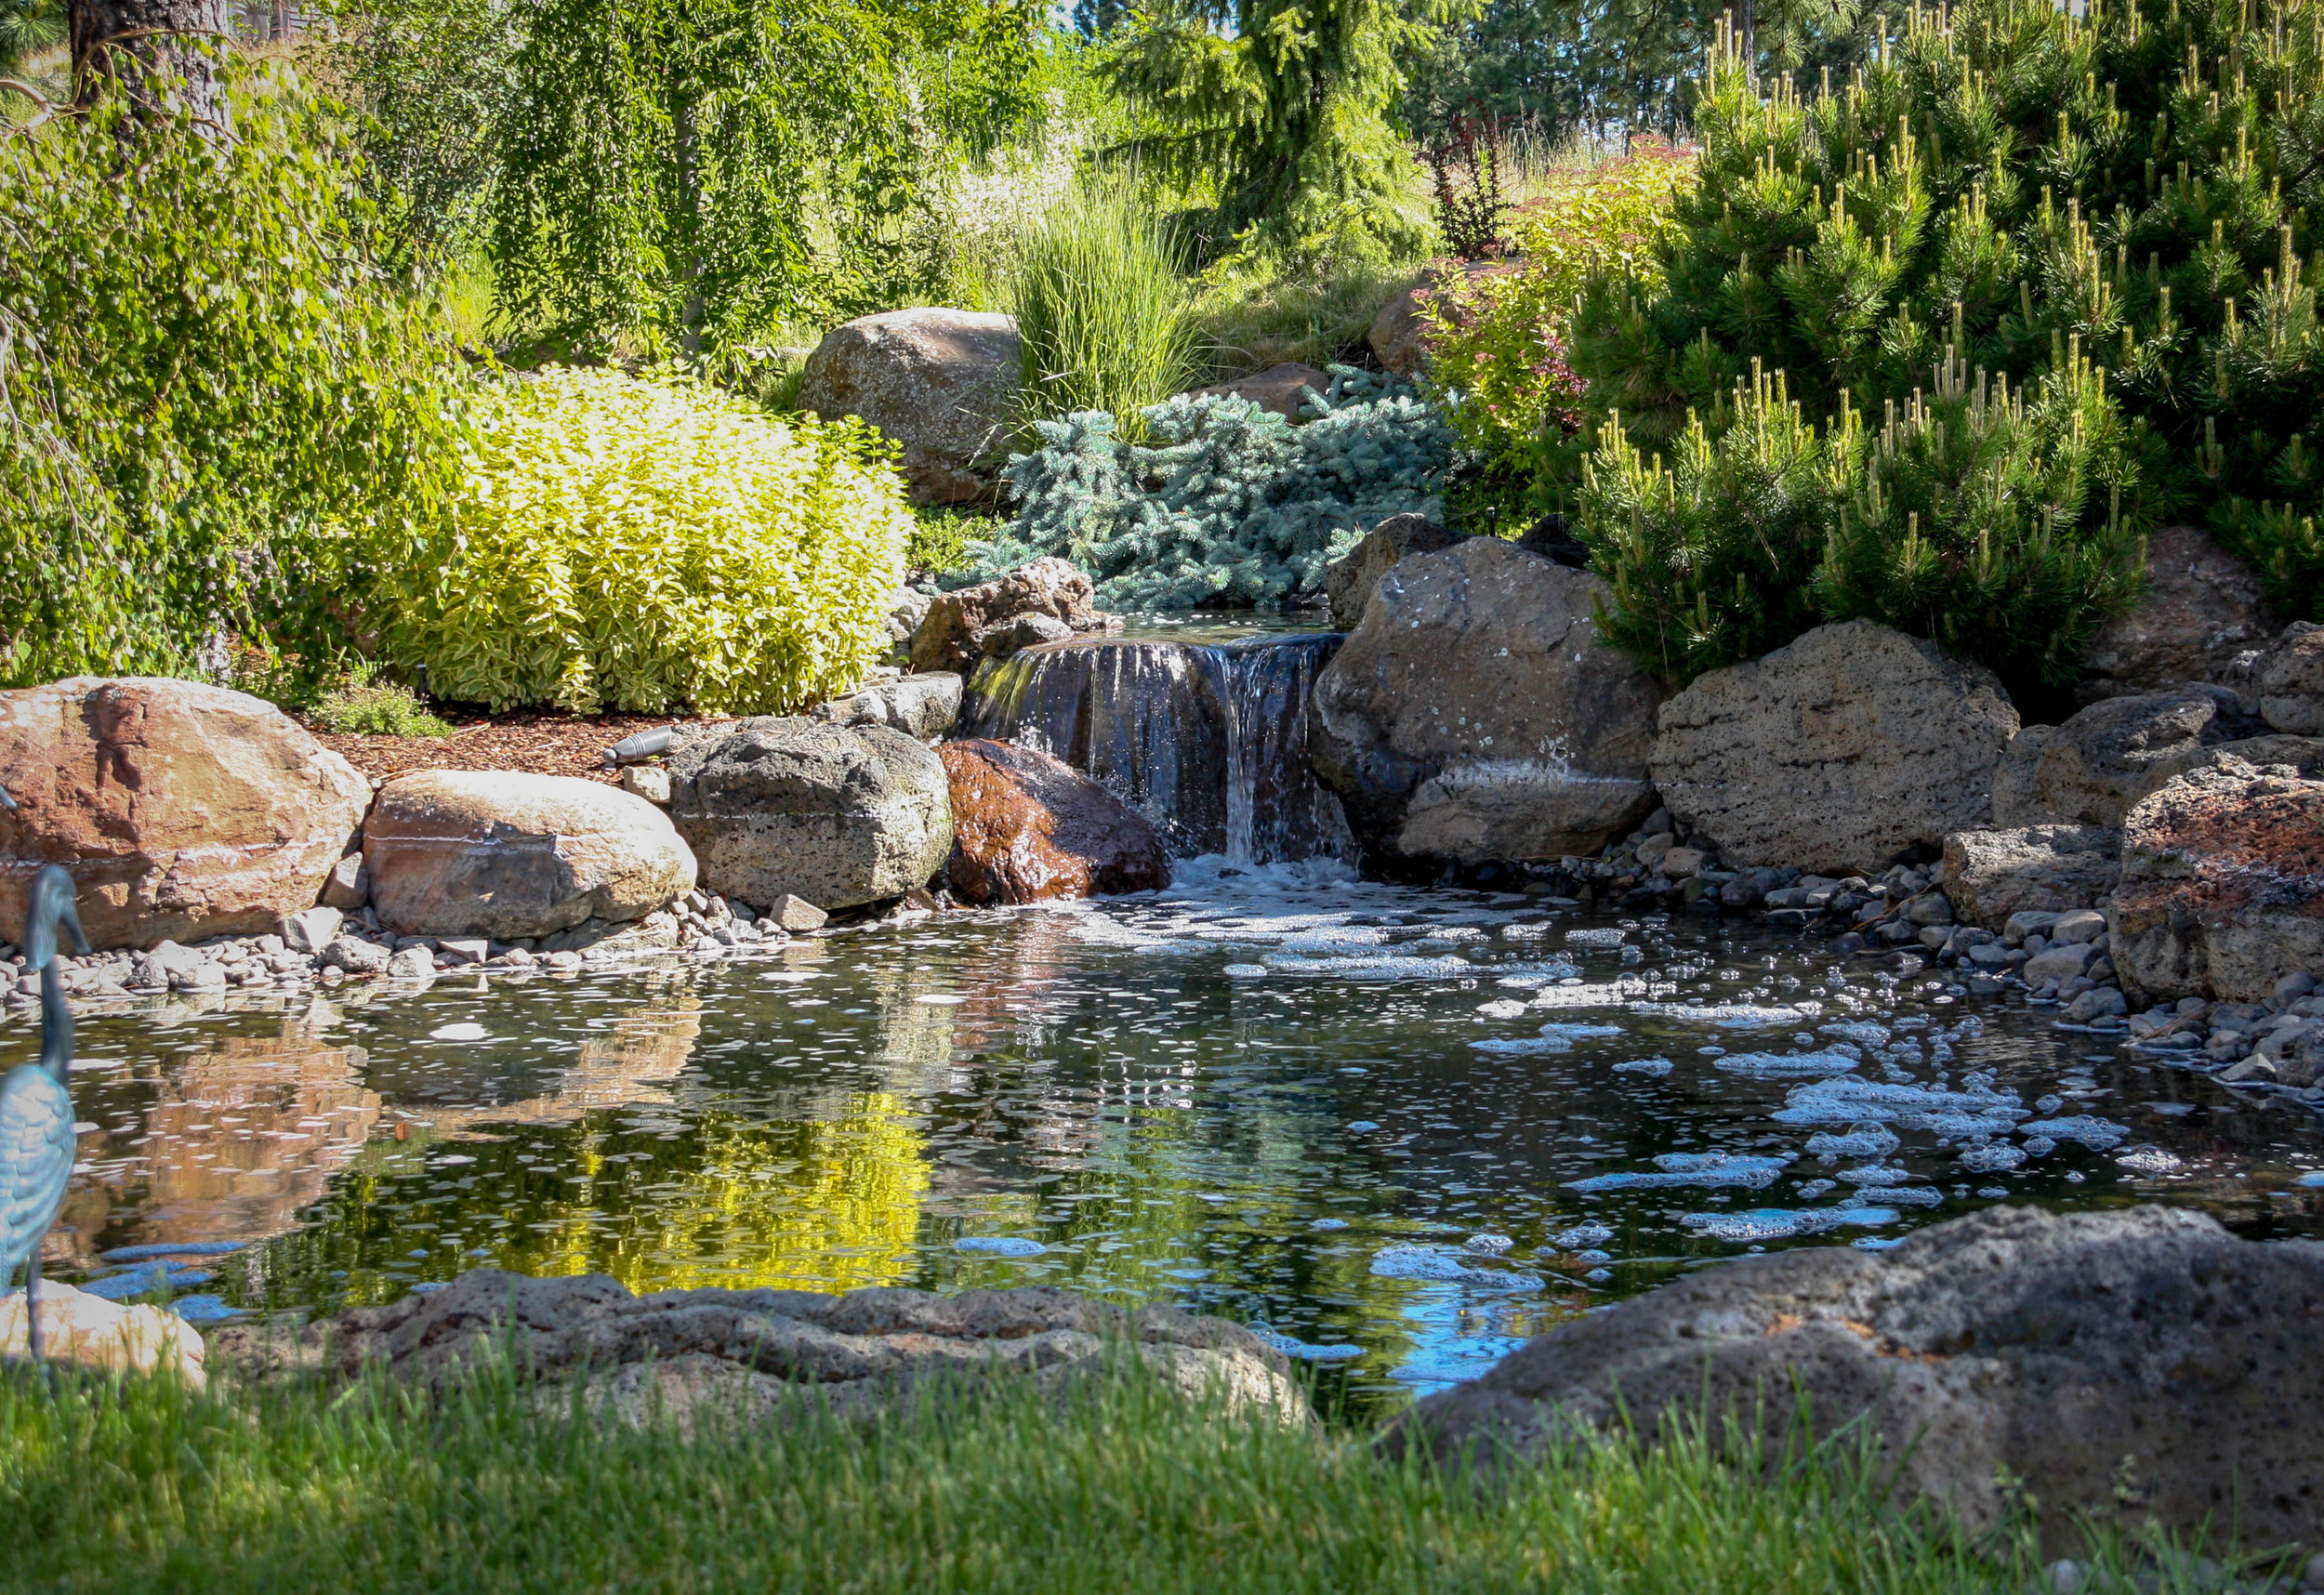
(1400, 1129)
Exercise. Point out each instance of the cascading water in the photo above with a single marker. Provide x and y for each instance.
(1206, 740)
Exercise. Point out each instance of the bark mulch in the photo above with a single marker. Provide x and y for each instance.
(542, 744)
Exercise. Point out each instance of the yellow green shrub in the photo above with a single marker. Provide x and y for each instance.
(620, 543)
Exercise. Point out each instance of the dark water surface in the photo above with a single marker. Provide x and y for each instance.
(1351, 1113)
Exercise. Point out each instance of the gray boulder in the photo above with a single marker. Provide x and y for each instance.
(2222, 885)
(936, 381)
(839, 815)
(2123, 1366)
(1991, 875)
(2202, 609)
(923, 706)
(2289, 678)
(2089, 771)
(756, 1353)
(984, 621)
(1840, 753)
(1349, 580)
(1474, 714)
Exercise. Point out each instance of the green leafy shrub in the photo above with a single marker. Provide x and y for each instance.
(208, 388)
(1228, 503)
(633, 544)
(364, 705)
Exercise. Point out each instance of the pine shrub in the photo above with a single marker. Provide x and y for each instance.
(629, 543)
(1226, 504)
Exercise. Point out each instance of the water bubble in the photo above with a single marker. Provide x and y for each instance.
(1785, 1066)
(1582, 1237)
(1492, 1245)
(1779, 1223)
(1656, 1067)
(1246, 971)
(2097, 1134)
(458, 1032)
(998, 1246)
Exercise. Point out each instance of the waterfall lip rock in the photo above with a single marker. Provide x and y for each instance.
(1474, 714)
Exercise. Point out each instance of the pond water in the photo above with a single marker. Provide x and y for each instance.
(1400, 1129)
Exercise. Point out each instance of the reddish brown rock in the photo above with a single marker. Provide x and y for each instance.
(182, 810)
(1280, 388)
(1026, 827)
(960, 624)
(1399, 334)
(2222, 885)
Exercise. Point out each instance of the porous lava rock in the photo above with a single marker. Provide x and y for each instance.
(960, 624)
(506, 854)
(2289, 678)
(2088, 770)
(1399, 334)
(923, 706)
(1026, 826)
(1845, 751)
(2119, 1366)
(182, 811)
(936, 381)
(2222, 892)
(1474, 714)
(2042, 869)
(840, 816)
(1281, 390)
(2203, 609)
(756, 1353)
(1350, 580)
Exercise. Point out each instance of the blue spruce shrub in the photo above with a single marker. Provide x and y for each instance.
(1229, 504)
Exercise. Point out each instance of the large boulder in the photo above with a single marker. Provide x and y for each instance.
(2045, 869)
(2119, 1367)
(1841, 753)
(2222, 885)
(1474, 714)
(2090, 770)
(1281, 390)
(183, 811)
(839, 815)
(753, 1353)
(1350, 580)
(922, 707)
(2289, 679)
(1026, 826)
(974, 622)
(2202, 609)
(936, 381)
(504, 854)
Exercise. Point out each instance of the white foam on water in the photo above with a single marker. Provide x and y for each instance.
(1502, 1008)
(1877, 1174)
(1653, 1067)
(1583, 1236)
(2099, 1135)
(1244, 972)
(1785, 1065)
(1949, 1114)
(1377, 969)
(1596, 937)
(1435, 1263)
(1728, 1015)
(1991, 1157)
(1606, 995)
(1780, 1223)
(1674, 1168)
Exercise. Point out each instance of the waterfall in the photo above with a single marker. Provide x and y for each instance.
(1208, 741)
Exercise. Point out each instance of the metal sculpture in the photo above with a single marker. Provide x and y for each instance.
(36, 1139)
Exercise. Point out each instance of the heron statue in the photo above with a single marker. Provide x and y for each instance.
(36, 1139)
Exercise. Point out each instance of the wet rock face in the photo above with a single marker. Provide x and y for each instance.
(183, 811)
(937, 381)
(838, 815)
(1840, 753)
(1989, 876)
(984, 621)
(1350, 579)
(2148, 1349)
(498, 853)
(2222, 885)
(1474, 714)
(1028, 828)
(2089, 771)
(2203, 607)
(752, 1353)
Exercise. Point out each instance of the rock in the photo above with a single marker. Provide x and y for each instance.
(1025, 631)
(183, 811)
(2289, 677)
(497, 853)
(1840, 752)
(458, 951)
(1028, 828)
(1474, 714)
(411, 964)
(2061, 962)
(751, 1353)
(923, 706)
(1992, 874)
(1282, 390)
(353, 954)
(91, 1332)
(797, 914)
(348, 887)
(601, 940)
(838, 815)
(650, 781)
(2116, 1365)
(1399, 333)
(1549, 538)
(907, 608)
(309, 929)
(1349, 579)
(2222, 886)
(2099, 1002)
(158, 966)
(936, 381)
(1679, 863)
(2077, 925)
(2203, 607)
(2089, 771)
(952, 637)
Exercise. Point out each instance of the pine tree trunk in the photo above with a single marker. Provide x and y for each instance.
(134, 39)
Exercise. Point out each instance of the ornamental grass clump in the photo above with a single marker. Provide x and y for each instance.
(637, 544)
